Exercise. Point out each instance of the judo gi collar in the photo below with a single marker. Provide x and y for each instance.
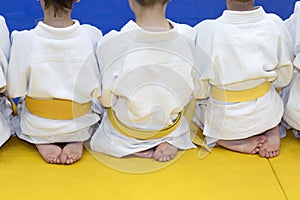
(138, 34)
(242, 17)
(53, 32)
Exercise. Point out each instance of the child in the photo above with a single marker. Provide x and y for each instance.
(55, 68)
(147, 82)
(291, 93)
(250, 58)
(5, 110)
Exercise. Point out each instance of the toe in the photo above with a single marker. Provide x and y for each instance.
(268, 154)
(256, 150)
(169, 158)
(272, 154)
(262, 153)
(74, 157)
(49, 160)
(163, 158)
(157, 155)
(172, 156)
(69, 161)
(63, 158)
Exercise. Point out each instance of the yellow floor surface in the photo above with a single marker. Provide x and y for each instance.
(221, 175)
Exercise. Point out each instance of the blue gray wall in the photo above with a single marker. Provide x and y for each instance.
(112, 14)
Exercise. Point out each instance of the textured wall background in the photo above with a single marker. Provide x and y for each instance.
(112, 14)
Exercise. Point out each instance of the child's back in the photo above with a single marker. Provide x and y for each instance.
(5, 109)
(250, 58)
(56, 70)
(147, 81)
(291, 93)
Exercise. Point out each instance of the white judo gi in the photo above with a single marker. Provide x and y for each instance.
(147, 80)
(5, 108)
(55, 63)
(291, 94)
(246, 49)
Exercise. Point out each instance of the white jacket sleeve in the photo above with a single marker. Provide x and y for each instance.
(4, 52)
(106, 54)
(294, 28)
(17, 74)
(4, 38)
(284, 69)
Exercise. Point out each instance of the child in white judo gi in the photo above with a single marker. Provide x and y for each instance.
(55, 68)
(147, 80)
(250, 57)
(291, 93)
(5, 108)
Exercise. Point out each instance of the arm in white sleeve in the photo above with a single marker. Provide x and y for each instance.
(17, 74)
(4, 38)
(284, 69)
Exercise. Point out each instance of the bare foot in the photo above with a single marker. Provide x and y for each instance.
(249, 145)
(50, 152)
(271, 148)
(71, 153)
(165, 152)
(145, 154)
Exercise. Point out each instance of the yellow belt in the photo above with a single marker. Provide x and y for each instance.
(242, 95)
(141, 133)
(57, 109)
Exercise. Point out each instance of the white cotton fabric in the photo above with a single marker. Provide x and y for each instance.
(147, 79)
(5, 107)
(47, 63)
(245, 49)
(291, 94)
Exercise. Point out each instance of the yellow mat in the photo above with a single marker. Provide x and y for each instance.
(221, 175)
(287, 167)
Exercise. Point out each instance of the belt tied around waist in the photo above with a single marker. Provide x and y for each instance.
(56, 109)
(141, 134)
(240, 95)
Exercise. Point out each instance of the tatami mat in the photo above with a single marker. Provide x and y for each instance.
(220, 175)
(287, 166)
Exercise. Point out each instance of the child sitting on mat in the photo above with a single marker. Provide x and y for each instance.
(291, 93)
(147, 80)
(5, 108)
(250, 57)
(55, 68)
